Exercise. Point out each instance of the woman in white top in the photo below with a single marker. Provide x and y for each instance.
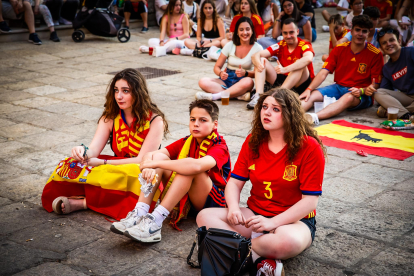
(191, 8)
(237, 77)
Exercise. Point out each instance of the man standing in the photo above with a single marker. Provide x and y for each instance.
(358, 65)
(397, 86)
(294, 70)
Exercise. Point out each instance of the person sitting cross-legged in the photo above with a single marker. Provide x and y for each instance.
(397, 86)
(294, 70)
(358, 66)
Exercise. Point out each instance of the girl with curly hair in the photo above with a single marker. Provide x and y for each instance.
(133, 125)
(283, 158)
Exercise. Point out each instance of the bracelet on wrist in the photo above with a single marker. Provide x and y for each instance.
(105, 161)
(362, 91)
(308, 89)
(85, 149)
(246, 74)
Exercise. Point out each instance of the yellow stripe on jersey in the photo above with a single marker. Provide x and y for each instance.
(258, 18)
(373, 49)
(252, 167)
(343, 44)
(324, 64)
(305, 47)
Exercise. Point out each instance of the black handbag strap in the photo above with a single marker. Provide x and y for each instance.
(245, 260)
(189, 261)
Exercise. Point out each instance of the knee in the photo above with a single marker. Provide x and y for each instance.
(27, 6)
(381, 91)
(248, 83)
(203, 82)
(348, 98)
(203, 217)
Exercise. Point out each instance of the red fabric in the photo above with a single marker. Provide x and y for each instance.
(385, 7)
(355, 70)
(270, 167)
(218, 151)
(338, 37)
(286, 58)
(257, 24)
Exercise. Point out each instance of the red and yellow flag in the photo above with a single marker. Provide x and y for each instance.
(378, 141)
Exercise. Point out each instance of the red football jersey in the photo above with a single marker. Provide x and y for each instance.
(286, 58)
(220, 173)
(355, 70)
(257, 24)
(276, 185)
(385, 7)
(338, 37)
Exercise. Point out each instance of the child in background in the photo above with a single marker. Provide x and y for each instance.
(343, 9)
(337, 30)
(356, 6)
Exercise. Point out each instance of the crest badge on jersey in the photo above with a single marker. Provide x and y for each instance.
(290, 173)
(275, 46)
(362, 68)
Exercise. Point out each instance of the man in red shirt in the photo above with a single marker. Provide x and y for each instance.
(358, 65)
(385, 7)
(294, 69)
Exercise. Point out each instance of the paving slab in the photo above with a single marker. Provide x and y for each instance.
(399, 202)
(20, 130)
(302, 266)
(22, 186)
(36, 102)
(51, 268)
(15, 148)
(8, 108)
(48, 139)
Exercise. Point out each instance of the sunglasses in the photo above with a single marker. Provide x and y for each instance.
(389, 31)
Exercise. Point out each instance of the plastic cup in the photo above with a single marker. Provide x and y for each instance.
(318, 106)
(225, 98)
(392, 113)
(151, 49)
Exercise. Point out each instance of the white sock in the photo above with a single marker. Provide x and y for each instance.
(216, 96)
(186, 52)
(144, 49)
(160, 214)
(315, 118)
(142, 208)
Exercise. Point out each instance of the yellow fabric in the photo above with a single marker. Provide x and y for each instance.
(346, 134)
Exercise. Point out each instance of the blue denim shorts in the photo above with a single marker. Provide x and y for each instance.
(232, 79)
(337, 91)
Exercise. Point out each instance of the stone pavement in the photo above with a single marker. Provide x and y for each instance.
(51, 98)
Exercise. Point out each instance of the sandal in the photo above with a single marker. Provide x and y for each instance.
(57, 204)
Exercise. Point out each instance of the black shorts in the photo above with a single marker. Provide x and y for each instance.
(281, 79)
(309, 222)
(135, 9)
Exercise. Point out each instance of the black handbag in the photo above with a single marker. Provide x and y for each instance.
(199, 51)
(221, 252)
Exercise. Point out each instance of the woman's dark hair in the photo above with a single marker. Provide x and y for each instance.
(261, 7)
(296, 126)
(236, 38)
(362, 21)
(141, 105)
(253, 8)
(372, 12)
(209, 106)
(296, 14)
(203, 16)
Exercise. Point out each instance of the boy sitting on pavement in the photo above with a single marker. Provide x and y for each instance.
(337, 31)
(294, 63)
(358, 66)
(397, 86)
(194, 171)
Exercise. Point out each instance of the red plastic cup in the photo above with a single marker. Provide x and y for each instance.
(151, 49)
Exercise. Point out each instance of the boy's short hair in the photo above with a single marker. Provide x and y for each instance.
(362, 21)
(288, 21)
(209, 106)
(372, 12)
(351, 2)
(337, 19)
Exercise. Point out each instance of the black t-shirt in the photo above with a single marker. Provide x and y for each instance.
(308, 8)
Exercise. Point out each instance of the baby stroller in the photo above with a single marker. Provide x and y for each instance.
(97, 19)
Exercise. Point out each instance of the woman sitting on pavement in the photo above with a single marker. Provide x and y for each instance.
(237, 77)
(174, 29)
(284, 160)
(289, 10)
(134, 126)
(247, 9)
(209, 20)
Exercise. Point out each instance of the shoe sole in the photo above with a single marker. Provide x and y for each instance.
(146, 240)
(35, 43)
(116, 231)
(250, 107)
(4, 32)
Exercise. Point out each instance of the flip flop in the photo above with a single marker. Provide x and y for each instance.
(57, 204)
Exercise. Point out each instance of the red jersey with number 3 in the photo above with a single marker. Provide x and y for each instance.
(286, 58)
(257, 24)
(355, 70)
(276, 185)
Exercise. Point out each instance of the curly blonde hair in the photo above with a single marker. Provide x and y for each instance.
(294, 121)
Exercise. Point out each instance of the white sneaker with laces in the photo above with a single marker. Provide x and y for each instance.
(119, 227)
(203, 95)
(253, 101)
(146, 230)
(144, 49)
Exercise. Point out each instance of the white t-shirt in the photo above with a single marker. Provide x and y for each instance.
(234, 62)
(349, 18)
(344, 4)
(158, 11)
(190, 9)
(267, 14)
(220, 7)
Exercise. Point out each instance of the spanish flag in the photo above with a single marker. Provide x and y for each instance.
(377, 141)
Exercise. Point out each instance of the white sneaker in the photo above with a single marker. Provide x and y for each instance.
(312, 118)
(144, 49)
(269, 267)
(119, 227)
(204, 96)
(146, 230)
(325, 28)
(245, 97)
(253, 101)
(186, 52)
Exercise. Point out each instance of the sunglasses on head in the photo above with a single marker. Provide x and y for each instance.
(389, 31)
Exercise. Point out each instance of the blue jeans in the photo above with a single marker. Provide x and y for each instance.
(232, 79)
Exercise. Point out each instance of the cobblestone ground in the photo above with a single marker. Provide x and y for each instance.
(51, 98)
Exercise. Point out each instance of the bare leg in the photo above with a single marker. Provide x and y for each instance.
(346, 101)
(326, 15)
(29, 17)
(292, 80)
(224, 42)
(75, 205)
(191, 43)
(268, 74)
(216, 43)
(144, 17)
(210, 85)
(240, 88)
(315, 96)
(127, 15)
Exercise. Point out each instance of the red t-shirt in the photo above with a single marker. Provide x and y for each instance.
(338, 37)
(286, 58)
(355, 70)
(220, 173)
(277, 186)
(257, 24)
(385, 7)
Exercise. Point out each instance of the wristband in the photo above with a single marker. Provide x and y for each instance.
(308, 89)
(362, 91)
(85, 149)
(105, 161)
(246, 74)
(176, 37)
(211, 40)
(278, 20)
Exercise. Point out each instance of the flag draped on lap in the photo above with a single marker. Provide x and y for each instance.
(382, 142)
